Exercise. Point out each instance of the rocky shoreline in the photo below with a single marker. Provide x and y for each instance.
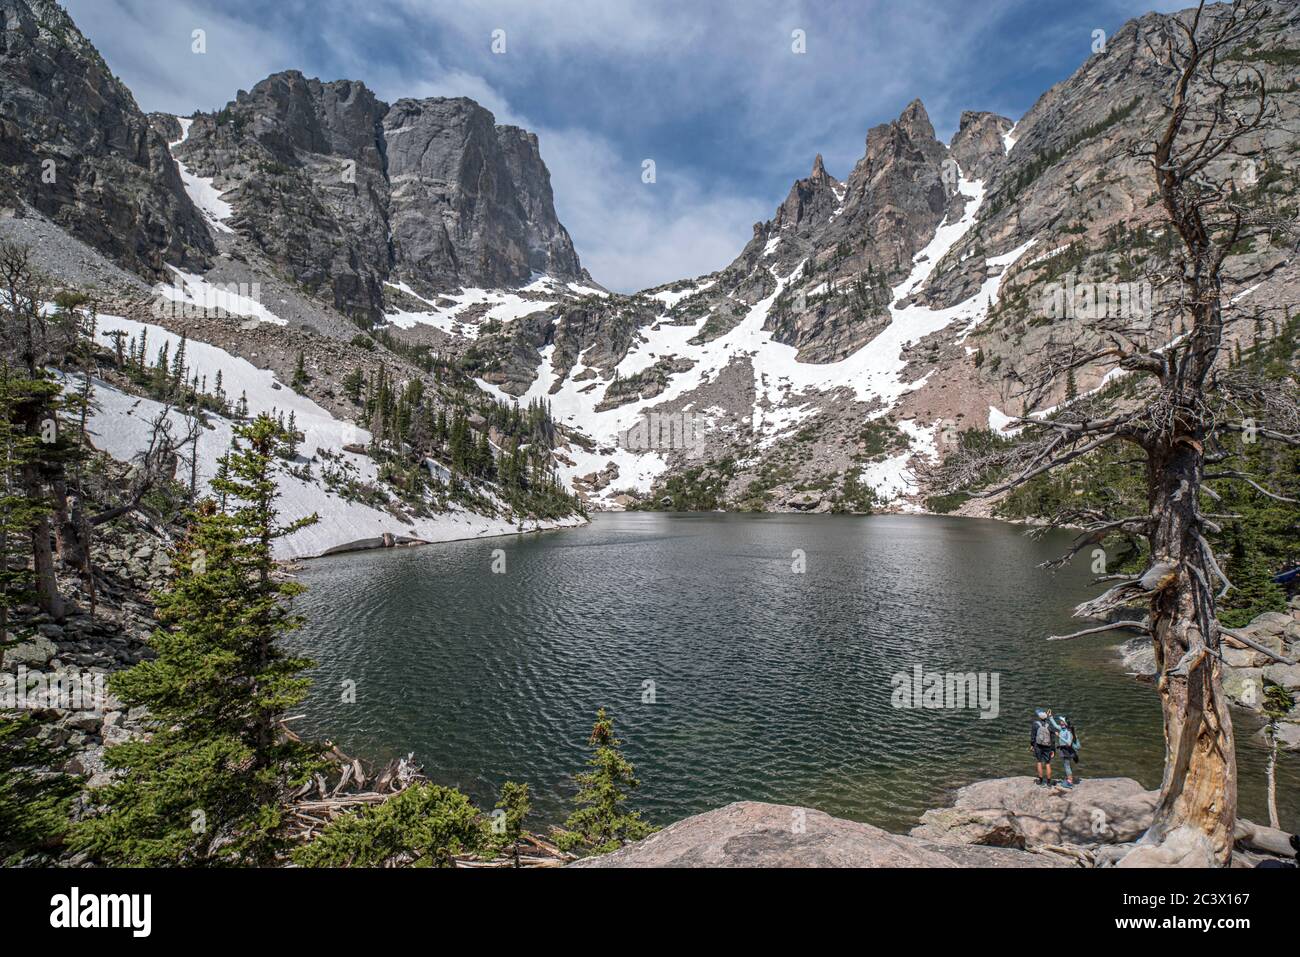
(1002, 822)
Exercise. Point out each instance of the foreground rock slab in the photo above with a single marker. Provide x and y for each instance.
(1016, 812)
(754, 834)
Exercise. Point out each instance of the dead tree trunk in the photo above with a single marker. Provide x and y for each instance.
(1198, 795)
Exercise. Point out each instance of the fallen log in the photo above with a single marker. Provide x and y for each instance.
(1260, 837)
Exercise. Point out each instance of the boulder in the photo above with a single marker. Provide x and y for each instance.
(1139, 656)
(1244, 686)
(1016, 812)
(1288, 736)
(755, 834)
(1266, 635)
(36, 652)
(1244, 657)
(804, 501)
(1288, 676)
(1271, 622)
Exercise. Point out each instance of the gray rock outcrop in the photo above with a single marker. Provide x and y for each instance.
(347, 193)
(754, 834)
(76, 148)
(1016, 812)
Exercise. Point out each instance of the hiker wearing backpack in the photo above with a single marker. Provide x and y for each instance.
(1067, 743)
(1042, 739)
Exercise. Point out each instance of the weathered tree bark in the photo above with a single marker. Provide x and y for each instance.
(48, 598)
(4, 592)
(69, 547)
(1199, 788)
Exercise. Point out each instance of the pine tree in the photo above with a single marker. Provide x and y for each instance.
(291, 437)
(162, 370)
(207, 786)
(178, 364)
(119, 349)
(33, 807)
(353, 383)
(20, 508)
(513, 807)
(300, 377)
(600, 823)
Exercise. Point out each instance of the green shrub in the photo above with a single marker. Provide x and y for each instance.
(423, 826)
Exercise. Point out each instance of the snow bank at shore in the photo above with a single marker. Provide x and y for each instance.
(121, 425)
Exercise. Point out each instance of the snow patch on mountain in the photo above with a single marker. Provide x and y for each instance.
(200, 189)
(215, 299)
(670, 298)
(503, 306)
(1001, 423)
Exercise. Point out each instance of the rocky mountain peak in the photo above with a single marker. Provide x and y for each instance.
(979, 145)
(75, 147)
(910, 137)
(915, 121)
(819, 174)
(291, 113)
(471, 201)
(811, 199)
(346, 193)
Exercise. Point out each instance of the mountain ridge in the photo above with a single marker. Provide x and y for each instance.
(854, 337)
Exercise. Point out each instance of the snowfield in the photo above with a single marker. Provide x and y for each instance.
(121, 425)
(212, 299)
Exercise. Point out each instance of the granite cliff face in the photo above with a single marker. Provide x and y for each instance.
(75, 147)
(347, 193)
(302, 164)
(471, 201)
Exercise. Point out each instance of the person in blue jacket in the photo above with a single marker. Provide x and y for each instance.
(1067, 745)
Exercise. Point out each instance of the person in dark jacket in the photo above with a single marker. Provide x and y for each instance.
(1042, 741)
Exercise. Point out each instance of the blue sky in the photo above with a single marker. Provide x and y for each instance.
(712, 92)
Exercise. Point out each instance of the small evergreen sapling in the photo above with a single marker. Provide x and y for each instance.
(508, 819)
(600, 823)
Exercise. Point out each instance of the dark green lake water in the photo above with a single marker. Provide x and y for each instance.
(768, 685)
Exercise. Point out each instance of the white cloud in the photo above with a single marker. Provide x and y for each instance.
(631, 234)
(150, 45)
